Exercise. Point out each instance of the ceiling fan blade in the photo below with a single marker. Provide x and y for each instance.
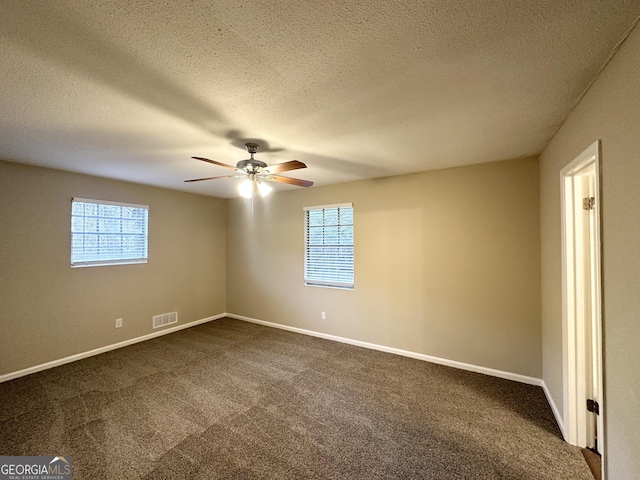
(289, 180)
(209, 178)
(285, 166)
(220, 164)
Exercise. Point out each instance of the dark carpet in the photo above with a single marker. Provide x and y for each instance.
(234, 400)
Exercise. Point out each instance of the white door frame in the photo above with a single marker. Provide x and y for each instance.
(573, 331)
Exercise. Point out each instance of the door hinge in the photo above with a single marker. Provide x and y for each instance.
(588, 203)
(593, 406)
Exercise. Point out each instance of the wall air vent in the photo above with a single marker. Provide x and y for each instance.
(165, 319)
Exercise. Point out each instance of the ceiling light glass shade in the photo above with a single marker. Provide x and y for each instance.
(245, 189)
(264, 189)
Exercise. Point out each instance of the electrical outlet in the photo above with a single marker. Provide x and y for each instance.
(118, 322)
(323, 315)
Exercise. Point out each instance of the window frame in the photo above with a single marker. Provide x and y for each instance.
(332, 283)
(97, 261)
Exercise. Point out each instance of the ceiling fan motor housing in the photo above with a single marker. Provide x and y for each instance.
(250, 165)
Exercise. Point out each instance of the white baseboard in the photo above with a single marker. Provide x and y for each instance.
(79, 356)
(554, 409)
(405, 353)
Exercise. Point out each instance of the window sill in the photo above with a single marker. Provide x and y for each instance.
(335, 287)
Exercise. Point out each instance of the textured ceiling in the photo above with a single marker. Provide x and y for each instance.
(357, 89)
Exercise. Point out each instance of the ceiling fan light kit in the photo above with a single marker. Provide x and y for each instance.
(245, 189)
(257, 173)
(249, 186)
(264, 189)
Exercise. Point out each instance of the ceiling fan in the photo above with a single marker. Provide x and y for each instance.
(257, 173)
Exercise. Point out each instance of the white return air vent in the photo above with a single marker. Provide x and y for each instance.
(165, 319)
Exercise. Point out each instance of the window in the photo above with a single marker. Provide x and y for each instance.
(328, 255)
(108, 233)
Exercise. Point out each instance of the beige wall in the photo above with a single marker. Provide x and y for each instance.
(49, 310)
(610, 112)
(447, 263)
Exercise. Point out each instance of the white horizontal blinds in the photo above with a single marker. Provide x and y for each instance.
(329, 246)
(104, 233)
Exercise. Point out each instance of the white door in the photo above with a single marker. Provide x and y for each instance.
(582, 325)
(590, 317)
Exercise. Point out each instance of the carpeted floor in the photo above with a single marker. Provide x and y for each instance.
(234, 400)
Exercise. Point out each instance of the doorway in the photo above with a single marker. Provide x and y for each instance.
(582, 301)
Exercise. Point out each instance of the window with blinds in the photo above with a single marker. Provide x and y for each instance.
(328, 255)
(108, 233)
